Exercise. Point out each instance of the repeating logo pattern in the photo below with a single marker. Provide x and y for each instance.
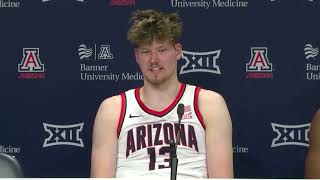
(84, 52)
(290, 135)
(63, 135)
(104, 52)
(96, 62)
(31, 66)
(200, 62)
(259, 65)
(310, 52)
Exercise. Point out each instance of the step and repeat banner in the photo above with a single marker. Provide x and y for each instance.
(61, 58)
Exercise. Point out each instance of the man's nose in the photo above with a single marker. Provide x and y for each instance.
(154, 56)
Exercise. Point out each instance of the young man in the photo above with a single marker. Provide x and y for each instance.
(132, 130)
(312, 163)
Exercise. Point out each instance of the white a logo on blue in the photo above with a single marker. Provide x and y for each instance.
(97, 52)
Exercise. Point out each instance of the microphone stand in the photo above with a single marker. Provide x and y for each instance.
(173, 159)
(174, 143)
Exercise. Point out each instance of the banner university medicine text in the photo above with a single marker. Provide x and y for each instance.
(208, 3)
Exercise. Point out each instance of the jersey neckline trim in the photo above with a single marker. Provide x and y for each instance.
(166, 110)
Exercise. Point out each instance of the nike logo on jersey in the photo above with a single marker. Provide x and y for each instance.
(133, 116)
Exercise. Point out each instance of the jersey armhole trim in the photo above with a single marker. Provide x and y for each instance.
(122, 113)
(196, 107)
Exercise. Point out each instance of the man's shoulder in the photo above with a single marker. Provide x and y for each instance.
(111, 101)
(116, 99)
(210, 95)
(213, 108)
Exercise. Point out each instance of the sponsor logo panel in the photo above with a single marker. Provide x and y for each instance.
(97, 61)
(63, 135)
(290, 135)
(240, 149)
(8, 149)
(10, 4)
(209, 4)
(259, 66)
(311, 52)
(31, 67)
(201, 62)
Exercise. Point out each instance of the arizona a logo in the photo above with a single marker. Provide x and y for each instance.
(105, 52)
(31, 66)
(259, 65)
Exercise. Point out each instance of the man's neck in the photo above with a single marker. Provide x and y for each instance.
(159, 97)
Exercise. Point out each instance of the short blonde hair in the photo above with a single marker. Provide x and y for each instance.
(149, 25)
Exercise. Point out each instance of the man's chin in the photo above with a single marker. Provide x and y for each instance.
(155, 81)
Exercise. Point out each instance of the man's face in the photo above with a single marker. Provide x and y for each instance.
(158, 60)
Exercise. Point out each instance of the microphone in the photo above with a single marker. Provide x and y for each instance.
(180, 112)
(173, 144)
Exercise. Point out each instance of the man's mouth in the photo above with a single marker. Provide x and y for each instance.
(155, 69)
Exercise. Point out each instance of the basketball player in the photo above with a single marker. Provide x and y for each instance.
(312, 163)
(132, 130)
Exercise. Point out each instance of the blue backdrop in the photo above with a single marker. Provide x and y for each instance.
(61, 58)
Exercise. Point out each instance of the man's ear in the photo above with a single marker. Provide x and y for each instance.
(135, 50)
(178, 49)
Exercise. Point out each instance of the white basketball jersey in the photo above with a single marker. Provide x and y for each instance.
(144, 135)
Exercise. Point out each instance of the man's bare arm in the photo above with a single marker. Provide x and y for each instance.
(218, 134)
(104, 140)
